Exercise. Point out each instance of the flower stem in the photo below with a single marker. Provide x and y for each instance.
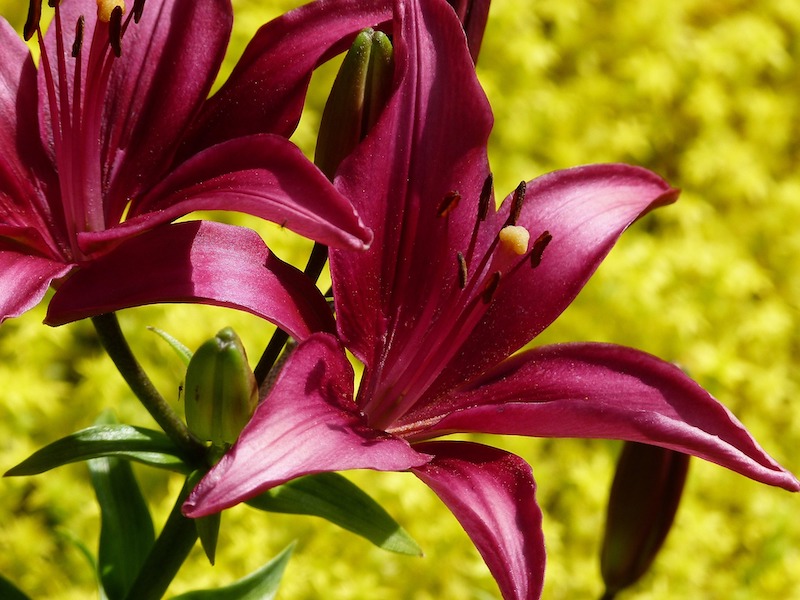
(167, 555)
(314, 266)
(115, 344)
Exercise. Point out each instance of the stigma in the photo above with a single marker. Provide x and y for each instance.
(106, 7)
(514, 238)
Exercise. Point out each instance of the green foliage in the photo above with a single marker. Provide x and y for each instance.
(706, 93)
(332, 497)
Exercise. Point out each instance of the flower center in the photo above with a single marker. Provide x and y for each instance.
(76, 80)
(447, 321)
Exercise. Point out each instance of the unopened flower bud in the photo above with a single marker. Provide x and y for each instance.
(644, 497)
(220, 390)
(359, 93)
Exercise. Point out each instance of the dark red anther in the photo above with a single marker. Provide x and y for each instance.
(491, 287)
(115, 31)
(32, 22)
(138, 8)
(538, 248)
(486, 197)
(516, 203)
(448, 204)
(53, 3)
(462, 270)
(76, 45)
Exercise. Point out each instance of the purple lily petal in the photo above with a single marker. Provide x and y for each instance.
(585, 209)
(168, 64)
(307, 424)
(492, 494)
(473, 15)
(24, 280)
(261, 94)
(186, 262)
(606, 391)
(396, 191)
(20, 201)
(263, 175)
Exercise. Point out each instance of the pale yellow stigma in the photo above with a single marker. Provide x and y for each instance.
(106, 7)
(514, 239)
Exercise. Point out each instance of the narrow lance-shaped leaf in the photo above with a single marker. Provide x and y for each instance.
(135, 443)
(259, 585)
(126, 531)
(335, 498)
(9, 591)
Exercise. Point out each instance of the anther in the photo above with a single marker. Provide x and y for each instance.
(53, 3)
(462, 270)
(115, 31)
(138, 8)
(448, 204)
(491, 287)
(76, 45)
(106, 8)
(516, 203)
(514, 239)
(538, 248)
(485, 198)
(32, 22)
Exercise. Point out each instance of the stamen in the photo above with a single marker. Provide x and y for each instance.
(106, 8)
(514, 238)
(115, 31)
(491, 287)
(448, 204)
(138, 8)
(538, 248)
(462, 270)
(76, 45)
(516, 203)
(485, 198)
(53, 3)
(32, 22)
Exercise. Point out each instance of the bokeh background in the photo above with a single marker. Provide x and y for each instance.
(705, 94)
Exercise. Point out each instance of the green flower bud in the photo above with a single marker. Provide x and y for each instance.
(359, 93)
(642, 504)
(221, 391)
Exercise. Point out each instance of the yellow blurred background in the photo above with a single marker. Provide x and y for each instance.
(705, 94)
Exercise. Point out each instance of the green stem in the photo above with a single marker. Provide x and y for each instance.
(169, 552)
(115, 344)
(314, 266)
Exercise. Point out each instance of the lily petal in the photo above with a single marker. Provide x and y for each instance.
(21, 203)
(307, 424)
(168, 64)
(266, 90)
(585, 209)
(197, 261)
(429, 141)
(607, 391)
(492, 494)
(263, 175)
(24, 281)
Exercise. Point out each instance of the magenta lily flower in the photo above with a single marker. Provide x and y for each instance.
(113, 137)
(436, 308)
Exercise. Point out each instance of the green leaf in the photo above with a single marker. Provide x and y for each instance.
(207, 527)
(259, 585)
(182, 351)
(126, 529)
(8, 591)
(125, 441)
(337, 499)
